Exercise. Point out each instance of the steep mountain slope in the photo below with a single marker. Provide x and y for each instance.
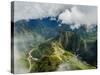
(51, 55)
(84, 48)
(50, 47)
(44, 27)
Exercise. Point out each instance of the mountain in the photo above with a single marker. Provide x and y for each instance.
(69, 40)
(51, 55)
(85, 48)
(44, 27)
(50, 28)
(45, 46)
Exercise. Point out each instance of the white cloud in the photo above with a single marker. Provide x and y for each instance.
(30, 10)
(76, 26)
(59, 25)
(66, 17)
(53, 18)
(77, 15)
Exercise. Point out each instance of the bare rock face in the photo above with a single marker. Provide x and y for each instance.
(69, 40)
(85, 49)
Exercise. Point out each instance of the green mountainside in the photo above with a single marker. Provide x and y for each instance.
(57, 54)
(43, 46)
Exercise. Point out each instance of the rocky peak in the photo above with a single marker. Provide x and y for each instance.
(69, 40)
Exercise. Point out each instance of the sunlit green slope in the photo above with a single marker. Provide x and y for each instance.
(51, 57)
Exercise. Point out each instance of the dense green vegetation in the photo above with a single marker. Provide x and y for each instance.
(62, 50)
(48, 56)
(54, 55)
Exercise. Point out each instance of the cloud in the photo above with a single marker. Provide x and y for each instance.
(66, 17)
(68, 14)
(30, 10)
(22, 44)
(79, 15)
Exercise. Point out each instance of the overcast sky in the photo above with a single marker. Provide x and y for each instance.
(66, 13)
